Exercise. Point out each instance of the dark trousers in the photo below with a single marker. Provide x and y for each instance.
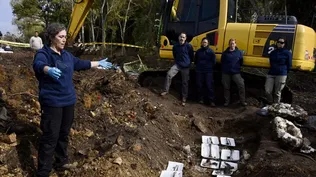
(55, 125)
(207, 80)
(226, 80)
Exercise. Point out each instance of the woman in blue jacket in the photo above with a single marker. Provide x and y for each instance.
(205, 60)
(280, 65)
(54, 67)
(231, 61)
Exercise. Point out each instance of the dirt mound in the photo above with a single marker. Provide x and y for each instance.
(121, 129)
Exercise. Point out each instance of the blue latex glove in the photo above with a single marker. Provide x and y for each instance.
(105, 64)
(54, 72)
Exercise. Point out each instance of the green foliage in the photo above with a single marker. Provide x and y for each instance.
(27, 17)
(30, 16)
(12, 37)
(302, 10)
(144, 31)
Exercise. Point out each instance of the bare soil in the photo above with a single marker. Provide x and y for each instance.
(117, 119)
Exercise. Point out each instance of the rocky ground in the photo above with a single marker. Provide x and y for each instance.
(122, 129)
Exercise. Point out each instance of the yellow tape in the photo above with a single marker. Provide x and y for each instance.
(117, 44)
(15, 44)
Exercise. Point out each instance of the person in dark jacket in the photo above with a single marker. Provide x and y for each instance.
(205, 61)
(231, 61)
(54, 67)
(280, 65)
(183, 54)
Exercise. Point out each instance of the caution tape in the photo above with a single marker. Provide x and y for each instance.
(15, 44)
(117, 44)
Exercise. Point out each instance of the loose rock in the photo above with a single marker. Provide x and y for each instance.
(245, 154)
(9, 139)
(120, 140)
(199, 123)
(287, 132)
(137, 147)
(288, 111)
(118, 161)
(89, 133)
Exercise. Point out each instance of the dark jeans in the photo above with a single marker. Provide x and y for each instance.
(55, 125)
(207, 80)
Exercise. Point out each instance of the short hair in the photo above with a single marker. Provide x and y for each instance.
(205, 38)
(184, 34)
(36, 31)
(231, 39)
(281, 37)
(285, 41)
(52, 30)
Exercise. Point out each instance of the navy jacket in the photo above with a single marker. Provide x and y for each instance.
(183, 54)
(231, 61)
(280, 62)
(205, 60)
(61, 92)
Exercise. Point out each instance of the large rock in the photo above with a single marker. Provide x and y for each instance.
(288, 111)
(288, 133)
(200, 124)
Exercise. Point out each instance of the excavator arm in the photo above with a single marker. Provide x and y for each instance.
(78, 16)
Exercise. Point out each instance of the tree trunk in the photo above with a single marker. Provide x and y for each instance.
(102, 27)
(82, 34)
(124, 26)
(92, 28)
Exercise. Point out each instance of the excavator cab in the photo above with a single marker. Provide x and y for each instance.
(195, 18)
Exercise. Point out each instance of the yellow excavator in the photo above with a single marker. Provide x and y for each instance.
(215, 19)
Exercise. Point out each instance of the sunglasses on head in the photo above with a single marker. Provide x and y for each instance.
(280, 42)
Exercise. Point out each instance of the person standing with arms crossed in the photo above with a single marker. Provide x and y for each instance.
(205, 61)
(280, 66)
(231, 61)
(54, 67)
(183, 55)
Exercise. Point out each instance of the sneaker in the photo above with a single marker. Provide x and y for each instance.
(226, 104)
(212, 104)
(244, 104)
(183, 102)
(67, 166)
(164, 93)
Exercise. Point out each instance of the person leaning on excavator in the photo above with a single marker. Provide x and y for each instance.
(280, 66)
(54, 67)
(232, 60)
(183, 54)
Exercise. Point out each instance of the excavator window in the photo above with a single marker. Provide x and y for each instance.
(180, 18)
(231, 15)
(209, 13)
(209, 10)
(184, 11)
